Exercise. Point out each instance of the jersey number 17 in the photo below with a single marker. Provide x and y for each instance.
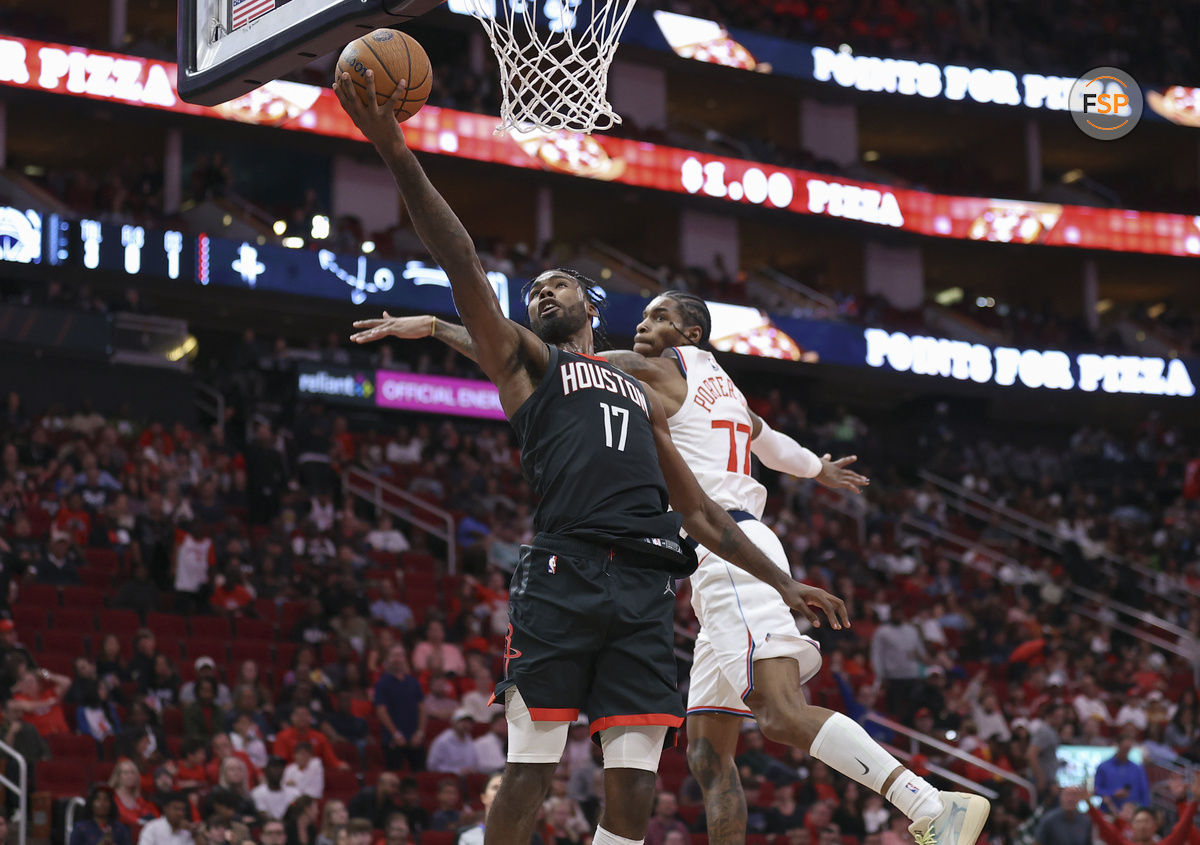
(620, 414)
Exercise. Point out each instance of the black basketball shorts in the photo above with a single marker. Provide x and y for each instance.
(591, 628)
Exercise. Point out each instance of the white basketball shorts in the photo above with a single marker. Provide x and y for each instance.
(741, 620)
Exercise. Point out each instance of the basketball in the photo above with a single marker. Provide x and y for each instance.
(393, 56)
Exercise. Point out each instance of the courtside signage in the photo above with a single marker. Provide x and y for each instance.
(438, 395)
(1037, 369)
(77, 72)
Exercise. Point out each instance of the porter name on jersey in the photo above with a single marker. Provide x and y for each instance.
(713, 388)
(580, 375)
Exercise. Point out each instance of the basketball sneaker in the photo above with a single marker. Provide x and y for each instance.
(960, 823)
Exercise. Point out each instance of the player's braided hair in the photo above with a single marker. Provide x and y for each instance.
(594, 294)
(695, 312)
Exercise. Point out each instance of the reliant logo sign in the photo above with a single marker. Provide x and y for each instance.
(1032, 368)
(353, 386)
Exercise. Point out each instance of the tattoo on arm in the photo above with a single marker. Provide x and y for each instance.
(629, 362)
(456, 337)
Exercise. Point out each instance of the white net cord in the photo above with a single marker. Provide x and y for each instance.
(554, 77)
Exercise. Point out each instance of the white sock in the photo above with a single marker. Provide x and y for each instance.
(844, 746)
(603, 837)
(915, 797)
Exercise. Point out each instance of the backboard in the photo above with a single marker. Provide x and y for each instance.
(227, 48)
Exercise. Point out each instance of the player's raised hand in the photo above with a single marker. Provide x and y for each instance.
(376, 121)
(804, 597)
(406, 328)
(836, 476)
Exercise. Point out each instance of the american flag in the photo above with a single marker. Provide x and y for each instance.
(245, 11)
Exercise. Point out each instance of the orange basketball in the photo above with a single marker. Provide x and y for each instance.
(393, 56)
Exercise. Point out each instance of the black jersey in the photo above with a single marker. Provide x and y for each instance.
(587, 449)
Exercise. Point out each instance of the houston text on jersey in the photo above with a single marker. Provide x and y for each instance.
(579, 375)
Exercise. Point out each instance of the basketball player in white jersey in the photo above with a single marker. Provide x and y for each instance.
(751, 661)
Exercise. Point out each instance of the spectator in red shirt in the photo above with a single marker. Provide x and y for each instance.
(231, 597)
(1144, 825)
(301, 730)
(222, 747)
(191, 772)
(132, 809)
(74, 519)
(39, 695)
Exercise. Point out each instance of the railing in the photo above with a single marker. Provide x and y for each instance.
(798, 288)
(20, 789)
(1038, 532)
(989, 561)
(211, 401)
(414, 511)
(69, 822)
(917, 739)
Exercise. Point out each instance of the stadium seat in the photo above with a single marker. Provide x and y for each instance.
(673, 769)
(342, 784)
(437, 837)
(102, 559)
(73, 643)
(65, 778)
(196, 647)
(73, 746)
(123, 623)
(254, 629)
(211, 628)
(29, 619)
(39, 595)
(97, 578)
(172, 721)
(83, 596)
(74, 619)
(257, 650)
(167, 628)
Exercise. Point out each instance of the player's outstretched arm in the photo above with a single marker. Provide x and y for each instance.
(709, 524)
(414, 328)
(781, 453)
(504, 347)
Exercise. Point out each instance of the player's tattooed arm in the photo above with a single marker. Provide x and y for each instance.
(504, 347)
(712, 527)
(412, 328)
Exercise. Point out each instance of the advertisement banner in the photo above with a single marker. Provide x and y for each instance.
(343, 385)
(438, 395)
(75, 71)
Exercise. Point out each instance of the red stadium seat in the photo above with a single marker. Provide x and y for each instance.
(74, 619)
(257, 650)
(92, 597)
(341, 784)
(65, 778)
(72, 643)
(123, 623)
(102, 559)
(211, 628)
(437, 837)
(170, 631)
(72, 746)
(172, 721)
(38, 595)
(673, 769)
(29, 619)
(255, 629)
(97, 578)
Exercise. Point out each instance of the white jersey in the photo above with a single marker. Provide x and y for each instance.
(712, 431)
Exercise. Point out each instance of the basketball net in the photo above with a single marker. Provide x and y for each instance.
(554, 71)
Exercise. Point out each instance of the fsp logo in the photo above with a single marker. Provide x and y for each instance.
(1106, 103)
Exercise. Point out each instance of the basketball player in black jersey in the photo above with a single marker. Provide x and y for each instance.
(592, 599)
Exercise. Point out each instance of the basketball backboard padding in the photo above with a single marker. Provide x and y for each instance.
(215, 69)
